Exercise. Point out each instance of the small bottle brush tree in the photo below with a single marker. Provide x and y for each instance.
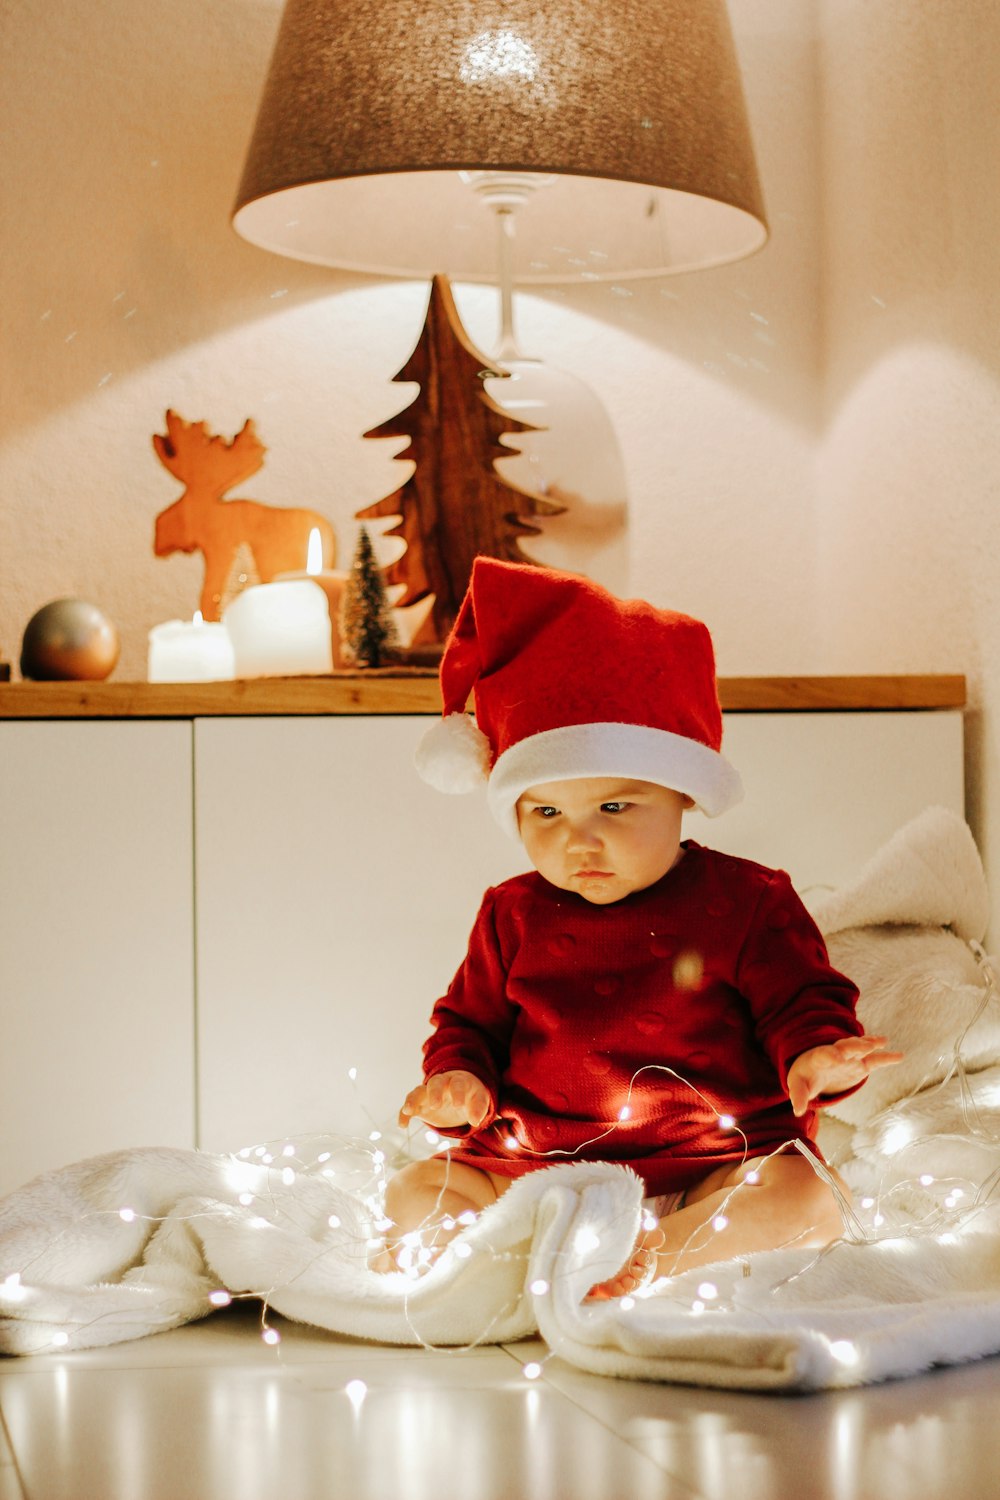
(367, 631)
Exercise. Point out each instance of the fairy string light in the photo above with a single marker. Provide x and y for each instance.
(267, 1178)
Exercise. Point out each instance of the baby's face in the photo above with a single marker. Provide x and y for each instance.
(601, 836)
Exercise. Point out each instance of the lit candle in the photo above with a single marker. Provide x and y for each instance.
(190, 651)
(280, 630)
(331, 582)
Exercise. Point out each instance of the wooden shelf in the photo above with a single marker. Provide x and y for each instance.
(415, 691)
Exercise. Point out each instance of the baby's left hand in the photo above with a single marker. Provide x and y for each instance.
(837, 1066)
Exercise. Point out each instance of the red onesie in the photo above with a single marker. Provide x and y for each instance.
(682, 1003)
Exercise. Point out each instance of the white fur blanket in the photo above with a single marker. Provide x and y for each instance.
(139, 1241)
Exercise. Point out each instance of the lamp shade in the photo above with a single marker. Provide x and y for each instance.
(634, 108)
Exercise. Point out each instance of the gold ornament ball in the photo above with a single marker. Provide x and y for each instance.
(69, 641)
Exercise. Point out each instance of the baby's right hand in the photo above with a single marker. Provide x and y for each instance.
(448, 1099)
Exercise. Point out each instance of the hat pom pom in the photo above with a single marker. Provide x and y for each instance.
(454, 755)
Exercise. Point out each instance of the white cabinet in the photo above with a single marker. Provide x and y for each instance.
(824, 791)
(96, 970)
(336, 891)
(204, 926)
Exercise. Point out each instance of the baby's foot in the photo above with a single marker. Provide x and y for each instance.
(636, 1272)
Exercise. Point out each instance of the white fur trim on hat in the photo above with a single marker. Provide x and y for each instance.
(628, 750)
(454, 755)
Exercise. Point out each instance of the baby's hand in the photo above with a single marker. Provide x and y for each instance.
(447, 1099)
(835, 1067)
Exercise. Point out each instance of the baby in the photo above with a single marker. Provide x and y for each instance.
(636, 998)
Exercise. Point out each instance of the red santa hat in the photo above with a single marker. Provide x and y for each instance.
(569, 681)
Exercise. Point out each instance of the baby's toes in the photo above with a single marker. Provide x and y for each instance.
(641, 1267)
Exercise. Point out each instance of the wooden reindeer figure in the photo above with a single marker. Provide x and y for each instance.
(202, 520)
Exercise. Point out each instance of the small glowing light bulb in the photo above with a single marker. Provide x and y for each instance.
(267, 1158)
(323, 1156)
(926, 1179)
(60, 1339)
(355, 1391)
(625, 1112)
(128, 1214)
(539, 1287)
(868, 1203)
(719, 1223)
(221, 1298)
(650, 1221)
(334, 1221)
(431, 1137)
(271, 1336)
(532, 1370)
(468, 1216)
(245, 1152)
(627, 1304)
(246, 1199)
(288, 1150)
(708, 1291)
(727, 1122)
(697, 1306)
(878, 1220)
(752, 1177)
(378, 1157)
(511, 1142)
(288, 1175)
(352, 1074)
(844, 1351)
(585, 1239)
(463, 1251)
(375, 1135)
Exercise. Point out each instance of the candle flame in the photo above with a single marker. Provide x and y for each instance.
(314, 554)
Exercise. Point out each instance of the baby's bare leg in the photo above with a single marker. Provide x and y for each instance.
(425, 1199)
(784, 1204)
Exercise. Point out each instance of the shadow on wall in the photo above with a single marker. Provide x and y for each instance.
(123, 251)
(910, 140)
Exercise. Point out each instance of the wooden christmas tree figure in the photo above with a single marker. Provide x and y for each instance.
(455, 505)
(367, 630)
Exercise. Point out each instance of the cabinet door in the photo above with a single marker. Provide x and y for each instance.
(824, 791)
(335, 894)
(96, 944)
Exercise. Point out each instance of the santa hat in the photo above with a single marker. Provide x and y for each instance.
(569, 681)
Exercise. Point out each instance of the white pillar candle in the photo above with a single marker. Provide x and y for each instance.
(330, 581)
(190, 651)
(280, 630)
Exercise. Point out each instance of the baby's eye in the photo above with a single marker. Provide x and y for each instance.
(614, 807)
(546, 812)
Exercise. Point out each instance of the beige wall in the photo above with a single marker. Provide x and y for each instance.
(127, 292)
(810, 437)
(908, 459)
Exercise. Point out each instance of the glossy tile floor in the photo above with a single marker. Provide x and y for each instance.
(209, 1412)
